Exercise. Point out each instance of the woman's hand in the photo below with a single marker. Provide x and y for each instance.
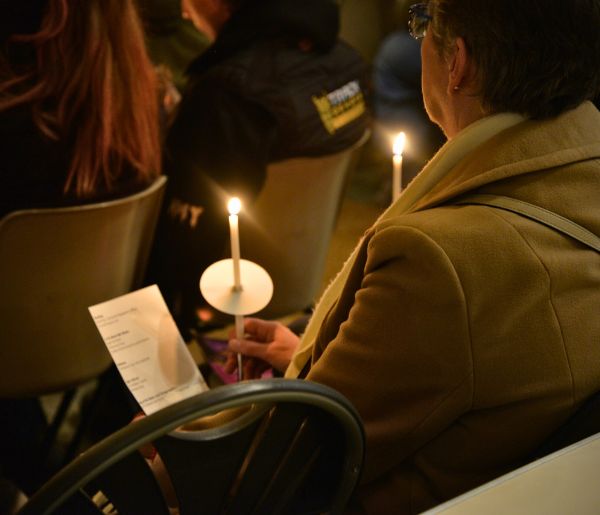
(267, 344)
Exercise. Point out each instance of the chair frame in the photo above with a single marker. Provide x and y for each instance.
(270, 391)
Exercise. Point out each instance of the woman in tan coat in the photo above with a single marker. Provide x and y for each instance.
(463, 333)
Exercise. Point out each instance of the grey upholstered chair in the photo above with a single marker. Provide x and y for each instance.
(288, 229)
(54, 263)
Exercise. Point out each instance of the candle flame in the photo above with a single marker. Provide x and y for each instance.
(398, 147)
(234, 206)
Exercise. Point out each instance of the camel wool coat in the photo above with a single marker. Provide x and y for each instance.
(465, 335)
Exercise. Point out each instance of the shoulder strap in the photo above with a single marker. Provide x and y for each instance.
(539, 214)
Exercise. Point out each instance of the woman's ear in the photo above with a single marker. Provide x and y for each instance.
(460, 67)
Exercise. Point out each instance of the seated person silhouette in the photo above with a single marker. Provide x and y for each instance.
(276, 83)
(70, 134)
(171, 40)
(463, 330)
(398, 102)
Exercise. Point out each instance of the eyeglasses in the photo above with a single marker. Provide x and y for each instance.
(418, 20)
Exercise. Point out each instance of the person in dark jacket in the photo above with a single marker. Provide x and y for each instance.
(171, 40)
(276, 83)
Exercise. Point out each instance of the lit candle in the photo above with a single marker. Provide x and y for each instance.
(234, 206)
(398, 148)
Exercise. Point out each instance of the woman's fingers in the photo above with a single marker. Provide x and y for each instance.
(260, 330)
(249, 348)
(230, 365)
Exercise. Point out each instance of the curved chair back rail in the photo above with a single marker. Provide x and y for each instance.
(54, 263)
(288, 228)
(300, 451)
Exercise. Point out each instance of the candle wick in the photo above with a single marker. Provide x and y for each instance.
(237, 288)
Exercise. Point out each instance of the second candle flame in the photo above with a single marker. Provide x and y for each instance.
(399, 142)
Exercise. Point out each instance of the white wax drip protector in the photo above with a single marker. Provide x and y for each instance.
(216, 286)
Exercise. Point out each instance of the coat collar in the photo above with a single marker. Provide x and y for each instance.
(530, 146)
(494, 149)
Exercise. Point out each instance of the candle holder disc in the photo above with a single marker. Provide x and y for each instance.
(217, 287)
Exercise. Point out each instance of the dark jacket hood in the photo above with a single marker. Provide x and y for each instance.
(257, 20)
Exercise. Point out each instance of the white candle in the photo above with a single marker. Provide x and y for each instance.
(234, 207)
(397, 148)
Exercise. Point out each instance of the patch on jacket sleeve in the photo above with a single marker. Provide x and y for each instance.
(340, 106)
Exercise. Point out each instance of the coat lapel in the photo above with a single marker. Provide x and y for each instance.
(567, 139)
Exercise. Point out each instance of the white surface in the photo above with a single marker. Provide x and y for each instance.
(563, 483)
(217, 287)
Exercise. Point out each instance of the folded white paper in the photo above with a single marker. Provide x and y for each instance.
(148, 349)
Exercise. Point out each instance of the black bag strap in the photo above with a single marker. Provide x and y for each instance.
(539, 214)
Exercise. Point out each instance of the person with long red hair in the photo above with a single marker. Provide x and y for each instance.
(79, 123)
(78, 103)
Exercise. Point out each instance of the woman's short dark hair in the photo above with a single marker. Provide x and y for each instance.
(534, 57)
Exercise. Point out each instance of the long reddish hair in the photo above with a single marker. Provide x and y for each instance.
(93, 87)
